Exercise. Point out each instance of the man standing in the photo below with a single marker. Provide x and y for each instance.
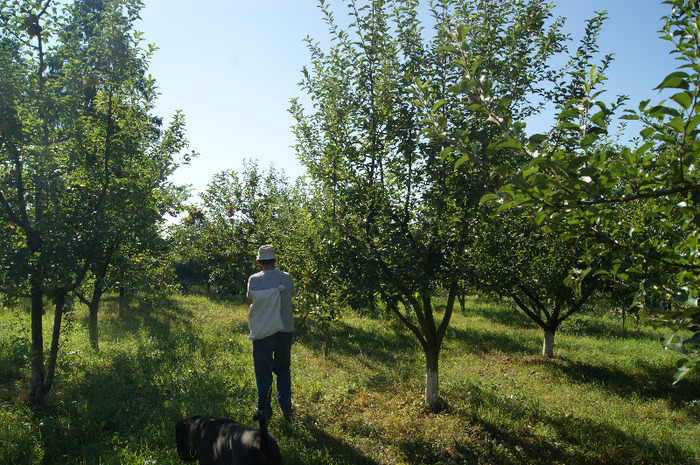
(271, 353)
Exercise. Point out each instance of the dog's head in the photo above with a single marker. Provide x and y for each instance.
(186, 437)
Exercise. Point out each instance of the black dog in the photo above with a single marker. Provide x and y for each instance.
(215, 441)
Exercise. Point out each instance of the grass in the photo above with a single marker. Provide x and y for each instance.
(605, 398)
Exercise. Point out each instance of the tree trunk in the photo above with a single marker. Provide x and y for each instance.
(428, 332)
(36, 389)
(93, 307)
(548, 345)
(122, 302)
(92, 323)
(432, 400)
(60, 301)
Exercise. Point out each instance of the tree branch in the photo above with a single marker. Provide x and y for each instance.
(413, 328)
(643, 196)
(576, 307)
(533, 298)
(527, 311)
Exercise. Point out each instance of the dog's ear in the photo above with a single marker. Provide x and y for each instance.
(185, 438)
(181, 439)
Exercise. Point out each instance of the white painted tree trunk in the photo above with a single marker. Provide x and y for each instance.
(431, 388)
(548, 345)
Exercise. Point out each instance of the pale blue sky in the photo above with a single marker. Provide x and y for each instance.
(233, 65)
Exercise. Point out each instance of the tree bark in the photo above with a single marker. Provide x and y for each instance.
(93, 307)
(432, 400)
(60, 301)
(122, 301)
(92, 323)
(39, 386)
(548, 344)
(36, 389)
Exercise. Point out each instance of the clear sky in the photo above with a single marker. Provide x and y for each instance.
(232, 67)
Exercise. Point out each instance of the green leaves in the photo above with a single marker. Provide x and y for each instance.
(636, 204)
(463, 30)
(684, 366)
(686, 299)
(90, 186)
(684, 99)
(505, 144)
(675, 80)
(688, 349)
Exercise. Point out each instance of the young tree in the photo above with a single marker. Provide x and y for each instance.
(406, 216)
(133, 249)
(549, 276)
(315, 257)
(238, 214)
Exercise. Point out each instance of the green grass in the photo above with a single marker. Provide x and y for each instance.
(605, 398)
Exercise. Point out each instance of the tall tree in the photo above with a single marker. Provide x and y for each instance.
(547, 274)
(78, 130)
(406, 216)
(640, 201)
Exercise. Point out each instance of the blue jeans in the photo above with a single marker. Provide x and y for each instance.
(273, 355)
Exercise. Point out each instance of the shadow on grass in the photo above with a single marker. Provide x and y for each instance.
(602, 328)
(579, 324)
(307, 444)
(155, 372)
(492, 341)
(651, 381)
(382, 353)
(565, 439)
(421, 452)
(349, 340)
(157, 317)
(648, 381)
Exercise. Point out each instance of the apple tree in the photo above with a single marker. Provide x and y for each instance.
(549, 274)
(639, 201)
(218, 239)
(77, 139)
(315, 254)
(406, 220)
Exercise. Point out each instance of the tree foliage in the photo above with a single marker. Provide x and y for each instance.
(84, 163)
(638, 202)
(217, 242)
(405, 218)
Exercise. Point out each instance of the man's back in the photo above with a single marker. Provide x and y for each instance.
(268, 279)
